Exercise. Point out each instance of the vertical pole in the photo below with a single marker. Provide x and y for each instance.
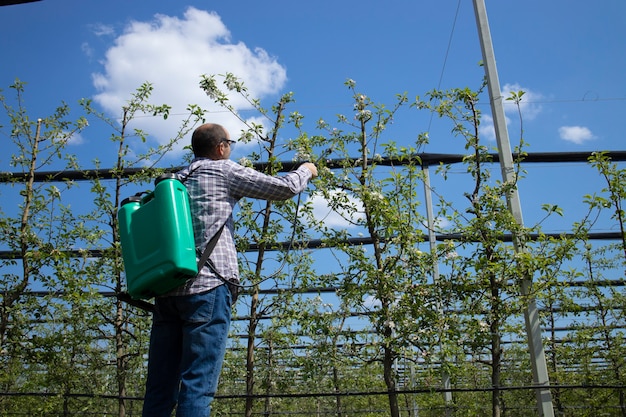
(531, 316)
(414, 411)
(447, 395)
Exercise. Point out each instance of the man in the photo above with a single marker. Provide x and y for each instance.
(190, 324)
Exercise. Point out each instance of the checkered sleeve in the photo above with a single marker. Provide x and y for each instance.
(246, 182)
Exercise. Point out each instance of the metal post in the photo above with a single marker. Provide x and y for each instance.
(531, 316)
(447, 395)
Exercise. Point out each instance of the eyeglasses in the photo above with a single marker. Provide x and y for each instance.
(230, 142)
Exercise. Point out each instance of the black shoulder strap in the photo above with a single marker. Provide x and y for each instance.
(209, 248)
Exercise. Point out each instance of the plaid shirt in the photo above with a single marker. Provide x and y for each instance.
(215, 187)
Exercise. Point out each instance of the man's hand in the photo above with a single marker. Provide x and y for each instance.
(311, 168)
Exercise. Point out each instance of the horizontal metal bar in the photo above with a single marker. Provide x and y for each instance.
(423, 159)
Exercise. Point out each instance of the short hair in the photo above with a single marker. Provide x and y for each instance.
(206, 138)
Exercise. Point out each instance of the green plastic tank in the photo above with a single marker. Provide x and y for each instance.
(156, 234)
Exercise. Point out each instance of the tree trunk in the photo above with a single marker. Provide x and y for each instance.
(252, 324)
(390, 381)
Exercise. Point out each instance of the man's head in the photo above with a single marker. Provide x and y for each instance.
(211, 141)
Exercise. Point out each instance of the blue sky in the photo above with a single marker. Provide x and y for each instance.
(569, 56)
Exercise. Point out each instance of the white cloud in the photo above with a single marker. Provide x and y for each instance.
(76, 139)
(576, 134)
(486, 128)
(172, 54)
(341, 218)
(87, 49)
(440, 223)
(371, 302)
(528, 106)
(100, 29)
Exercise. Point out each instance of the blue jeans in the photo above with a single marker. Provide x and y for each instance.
(187, 346)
